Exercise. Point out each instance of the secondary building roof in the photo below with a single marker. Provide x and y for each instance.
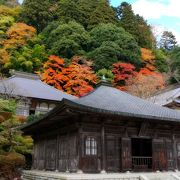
(167, 96)
(109, 100)
(29, 85)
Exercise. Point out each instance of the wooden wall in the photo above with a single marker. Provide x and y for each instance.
(66, 151)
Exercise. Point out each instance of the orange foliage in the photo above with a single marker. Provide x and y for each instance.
(76, 79)
(81, 79)
(148, 58)
(122, 73)
(53, 72)
(18, 35)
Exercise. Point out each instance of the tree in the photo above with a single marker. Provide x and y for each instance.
(103, 13)
(66, 40)
(135, 25)
(27, 59)
(105, 73)
(145, 84)
(68, 10)
(111, 43)
(39, 13)
(76, 79)
(12, 143)
(81, 79)
(174, 64)
(168, 40)
(17, 36)
(148, 59)
(161, 62)
(7, 17)
(53, 72)
(122, 73)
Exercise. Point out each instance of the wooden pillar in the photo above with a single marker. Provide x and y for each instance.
(103, 159)
(175, 152)
(57, 153)
(68, 152)
(79, 145)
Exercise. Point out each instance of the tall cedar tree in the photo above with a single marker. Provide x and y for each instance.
(39, 13)
(135, 25)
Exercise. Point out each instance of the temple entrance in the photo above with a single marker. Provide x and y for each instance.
(141, 154)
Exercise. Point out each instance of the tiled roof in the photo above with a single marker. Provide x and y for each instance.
(167, 96)
(29, 85)
(108, 99)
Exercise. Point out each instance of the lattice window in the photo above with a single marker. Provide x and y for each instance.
(90, 146)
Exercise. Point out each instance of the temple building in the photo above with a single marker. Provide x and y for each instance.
(32, 95)
(169, 97)
(106, 131)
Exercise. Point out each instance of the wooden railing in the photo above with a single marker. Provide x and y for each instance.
(140, 162)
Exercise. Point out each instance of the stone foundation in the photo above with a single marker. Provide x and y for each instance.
(45, 175)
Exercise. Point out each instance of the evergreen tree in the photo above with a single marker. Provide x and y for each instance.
(168, 40)
(135, 25)
(39, 13)
(111, 44)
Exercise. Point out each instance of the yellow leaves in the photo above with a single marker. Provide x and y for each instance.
(18, 35)
(7, 11)
(4, 56)
(148, 58)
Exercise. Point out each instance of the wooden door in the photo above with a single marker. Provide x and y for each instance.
(112, 154)
(169, 154)
(51, 154)
(90, 161)
(126, 154)
(159, 155)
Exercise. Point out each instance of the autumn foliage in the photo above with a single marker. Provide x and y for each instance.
(145, 84)
(76, 79)
(122, 73)
(148, 59)
(17, 36)
(141, 83)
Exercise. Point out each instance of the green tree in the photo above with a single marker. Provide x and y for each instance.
(28, 59)
(103, 13)
(111, 44)
(66, 40)
(68, 10)
(12, 143)
(105, 73)
(161, 60)
(175, 64)
(39, 13)
(135, 25)
(168, 40)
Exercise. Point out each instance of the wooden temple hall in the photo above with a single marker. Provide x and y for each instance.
(106, 131)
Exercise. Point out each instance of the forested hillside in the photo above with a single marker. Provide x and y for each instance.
(73, 43)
